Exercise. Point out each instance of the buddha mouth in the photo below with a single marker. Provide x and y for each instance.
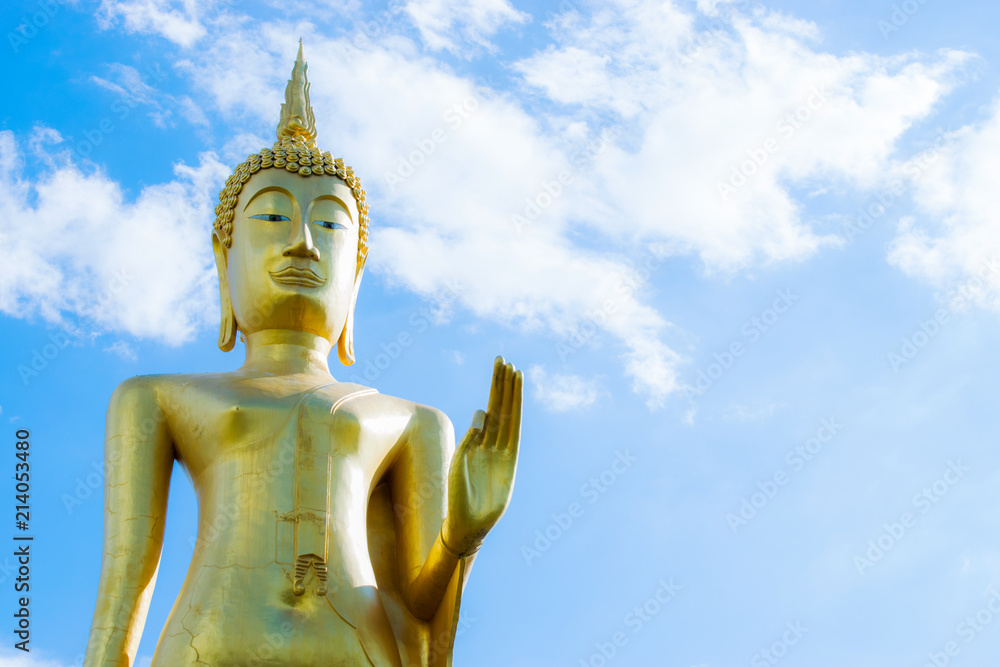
(298, 277)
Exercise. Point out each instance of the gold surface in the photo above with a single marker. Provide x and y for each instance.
(336, 525)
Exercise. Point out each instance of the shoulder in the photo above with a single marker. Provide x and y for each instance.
(165, 381)
(398, 419)
(162, 390)
(136, 410)
(138, 388)
(416, 414)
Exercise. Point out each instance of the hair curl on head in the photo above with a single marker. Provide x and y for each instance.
(296, 151)
(298, 156)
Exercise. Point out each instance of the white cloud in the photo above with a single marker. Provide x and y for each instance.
(562, 393)
(685, 110)
(77, 247)
(956, 189)
(20, 659)
(445, 234)
(177, 20)
(133, 88)
(123, 350)
(745, 413)
(695, 108)
(130, 83)
(440, 22)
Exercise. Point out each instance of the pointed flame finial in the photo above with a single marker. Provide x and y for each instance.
(297, 119)
(295, 151)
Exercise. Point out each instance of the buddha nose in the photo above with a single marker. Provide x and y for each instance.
(301, 243)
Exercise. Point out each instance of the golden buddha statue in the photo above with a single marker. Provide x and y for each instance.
(336, 525)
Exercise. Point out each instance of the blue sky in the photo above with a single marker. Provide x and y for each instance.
(747, 254)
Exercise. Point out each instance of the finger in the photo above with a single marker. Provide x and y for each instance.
(496, 387)
(496, 400)
(513, 441)
(478, 420)
(477, 430)
(508, 395)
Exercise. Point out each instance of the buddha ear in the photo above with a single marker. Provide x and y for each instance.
(227, 327)
(345, 346)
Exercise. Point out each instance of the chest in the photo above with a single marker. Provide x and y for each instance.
(310, 426)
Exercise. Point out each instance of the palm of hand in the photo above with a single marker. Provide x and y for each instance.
(484, 465)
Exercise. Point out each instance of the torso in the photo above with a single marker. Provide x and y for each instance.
(283, 490)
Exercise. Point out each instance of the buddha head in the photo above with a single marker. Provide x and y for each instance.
(291, 234)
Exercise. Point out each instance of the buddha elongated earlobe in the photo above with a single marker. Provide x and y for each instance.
(345, 346)
(227, 327)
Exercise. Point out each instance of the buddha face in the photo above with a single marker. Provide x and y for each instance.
(293, 259)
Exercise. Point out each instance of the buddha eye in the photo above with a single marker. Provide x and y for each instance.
(271, 217)
(329, 225)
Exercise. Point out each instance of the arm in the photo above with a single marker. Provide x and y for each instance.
(138, 458)
(451, 523)
(419, 495)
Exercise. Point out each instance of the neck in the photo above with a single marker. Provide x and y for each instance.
(287, 352)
